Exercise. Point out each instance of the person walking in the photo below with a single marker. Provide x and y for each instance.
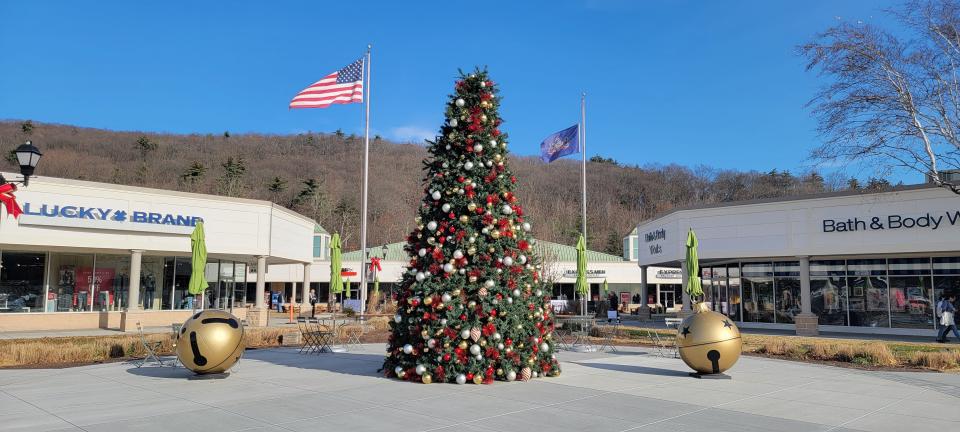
(947, 311)
(313, 303)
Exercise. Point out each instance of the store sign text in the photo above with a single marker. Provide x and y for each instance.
(107, 214)
(930, 221)
(652, 236)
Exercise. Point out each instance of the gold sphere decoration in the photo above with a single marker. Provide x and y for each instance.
(477, 379)
(464, 219)
(709, 342)
(426, 378)
(210, 341)
(472, 206)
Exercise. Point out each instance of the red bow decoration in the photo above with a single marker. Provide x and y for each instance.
(375, 264)
(9, 201)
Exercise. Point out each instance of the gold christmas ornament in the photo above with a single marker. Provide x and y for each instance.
(464, 219)
(211, 341)
(709, 342)
(477, 379)
(472, 206)
(426, 378)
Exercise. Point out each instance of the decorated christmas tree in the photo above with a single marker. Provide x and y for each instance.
(471, 305)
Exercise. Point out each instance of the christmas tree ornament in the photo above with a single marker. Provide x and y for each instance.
(460, 103)
(407, 349)
(461, 379)
(422, 252)
(478, 148)
(709, 342)
(468, 165)
(432, 225)
(475, 349)
(475, 334)
(482, 292)
(420, 369)
(397, 319)
(436, 195)
(477, 379)
(449, 268)
(465, 334)
(446, 298)
(511, 375)
(398, 371)
(420, 277)
(507, 261)
(453, 123)
(210, 342)
(427, 378)
(445, 207)
(525, 374)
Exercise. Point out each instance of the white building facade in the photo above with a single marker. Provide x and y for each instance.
(87, 254)
(845, 262)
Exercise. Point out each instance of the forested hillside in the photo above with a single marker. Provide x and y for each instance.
(318, 175)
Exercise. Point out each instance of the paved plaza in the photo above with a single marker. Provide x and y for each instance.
(281, 390)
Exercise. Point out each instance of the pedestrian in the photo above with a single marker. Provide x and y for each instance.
(313, 303)
(613, 304)
(947, 311)
(280, 301)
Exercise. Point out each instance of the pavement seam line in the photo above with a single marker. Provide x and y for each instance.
(718, 406)
(41, 409)
(876, 410)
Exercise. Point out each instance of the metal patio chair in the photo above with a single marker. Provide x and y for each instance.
(150, 347)
(323, 336)
(609, 332)
(663, 348)
(562, 332)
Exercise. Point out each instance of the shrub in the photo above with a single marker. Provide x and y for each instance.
(936, 360)
(349, 312)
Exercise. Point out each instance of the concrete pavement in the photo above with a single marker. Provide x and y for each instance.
(281, 390)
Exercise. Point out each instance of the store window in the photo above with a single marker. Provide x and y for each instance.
(828, 292)
(758, 294)
(71, 278)
(787, 295)
(21, 281)
(733, 292)
(946, 278)
(111, 282)
(317, 246)
(869, 299)
(911, 293)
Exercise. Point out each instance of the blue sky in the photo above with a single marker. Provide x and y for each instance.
(689, 82)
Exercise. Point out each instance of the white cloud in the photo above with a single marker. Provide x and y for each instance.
(414, 134)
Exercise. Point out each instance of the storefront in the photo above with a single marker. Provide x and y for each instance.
(846, 262)
(622, 276)
(88, 255)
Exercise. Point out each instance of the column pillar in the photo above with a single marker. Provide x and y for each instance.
(133, 296)
(806, 322)
(261, 281)
(687, 304)
(644, 292)
(258, 315)
(132, 315)
(305, 289)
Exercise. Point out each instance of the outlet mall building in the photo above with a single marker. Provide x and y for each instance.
(93, 255)
(88, 255)
(843, 262)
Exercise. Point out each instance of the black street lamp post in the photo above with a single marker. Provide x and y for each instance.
(28, 156)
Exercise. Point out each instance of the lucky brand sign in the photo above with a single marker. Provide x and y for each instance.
(104, 214)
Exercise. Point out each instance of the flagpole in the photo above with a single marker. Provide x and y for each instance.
(363, 202)
(583, 177)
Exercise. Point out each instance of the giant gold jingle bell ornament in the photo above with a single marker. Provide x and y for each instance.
(709, 342)
(211, 341)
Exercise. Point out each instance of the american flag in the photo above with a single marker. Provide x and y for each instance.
(341, 87)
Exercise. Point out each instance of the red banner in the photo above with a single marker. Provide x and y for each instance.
(9, 201)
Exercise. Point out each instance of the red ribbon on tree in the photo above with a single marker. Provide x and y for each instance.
(9, 201)
(375, 264)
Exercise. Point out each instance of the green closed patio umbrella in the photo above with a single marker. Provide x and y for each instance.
(694, 289)
(582, 287)
(198, 261)
(606, 288)
(346, 288)
(336, 266)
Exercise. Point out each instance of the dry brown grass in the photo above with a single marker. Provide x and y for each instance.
(85, 350)
(941, 360)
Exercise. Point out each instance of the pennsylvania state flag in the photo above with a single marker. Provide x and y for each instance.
(560, 144)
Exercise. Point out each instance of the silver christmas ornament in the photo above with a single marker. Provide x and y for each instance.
(407, 349)
(432, 225)
(460, 102)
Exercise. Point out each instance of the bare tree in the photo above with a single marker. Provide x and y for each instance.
(892, 100)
